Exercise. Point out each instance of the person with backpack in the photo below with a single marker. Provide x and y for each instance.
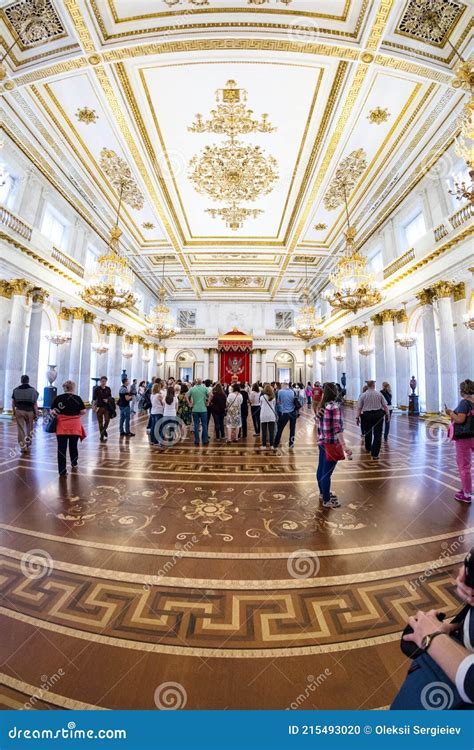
(461, 431)
(25, 410)
(288, 411)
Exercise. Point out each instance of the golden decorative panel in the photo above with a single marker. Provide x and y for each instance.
(378, 115)
(347, 173)
(87, 116)
(235, 282)
(120, 175)
(430, 21)
(34, 22)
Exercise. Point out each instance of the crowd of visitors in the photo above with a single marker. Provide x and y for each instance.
(176, 410)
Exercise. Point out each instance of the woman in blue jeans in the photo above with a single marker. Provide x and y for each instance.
(330, 433)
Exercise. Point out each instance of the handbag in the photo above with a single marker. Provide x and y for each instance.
(334, 452)
(51, 424)
(466, 430)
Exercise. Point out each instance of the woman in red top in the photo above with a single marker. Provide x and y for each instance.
(68, 408)
(332, 447)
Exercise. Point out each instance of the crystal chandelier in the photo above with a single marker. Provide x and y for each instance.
(366, 349)
(406, 340)
(161, 323)
(234, 171)
(306, 326)
(340, 357)
(464, 148)
(100, 348)
(58, 337)
(110, 283)
(352, 285)
(127, 353)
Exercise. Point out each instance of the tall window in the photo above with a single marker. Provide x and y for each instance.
(91, 256)
(54, 227)
(283, 319)
(415, 229)
(7, 190)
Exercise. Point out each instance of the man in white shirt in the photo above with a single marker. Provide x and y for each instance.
(371, 409)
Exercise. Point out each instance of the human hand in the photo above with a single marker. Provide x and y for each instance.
(348, 452)
(425, 623)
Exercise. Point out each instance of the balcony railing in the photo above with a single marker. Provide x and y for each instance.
(399, 263)
(13, 222)
(440, 232)
(466, 213)
(67, 261)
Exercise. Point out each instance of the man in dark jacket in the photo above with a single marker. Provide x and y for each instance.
(25, 409)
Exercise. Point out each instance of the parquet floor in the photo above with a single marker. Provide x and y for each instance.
(212, 578)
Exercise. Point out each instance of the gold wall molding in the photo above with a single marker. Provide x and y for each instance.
(80, 26)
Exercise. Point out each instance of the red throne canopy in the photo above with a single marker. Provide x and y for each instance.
(234, 356)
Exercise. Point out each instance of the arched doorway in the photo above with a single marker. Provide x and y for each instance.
(284, 367)
(185, 364)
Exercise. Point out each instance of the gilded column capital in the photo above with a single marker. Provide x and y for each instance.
(135, 339)
(5, 289)
(364, 330)
(425, 297)
(146, 345)
(264, 351)
(20, 286)
(314, 348)
(163, 349)
(459, 291)
(118, 330)
(354, 330)
(388, 316)
(332, 340)
(307, 351)
(78, 313)
(347, 332)
(400, 316)
(104, 328)
(65, 313)
(38, 295)
(442, 289)
(377, 319)
(89, 317)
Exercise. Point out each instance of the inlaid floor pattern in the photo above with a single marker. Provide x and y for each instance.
(212, 578)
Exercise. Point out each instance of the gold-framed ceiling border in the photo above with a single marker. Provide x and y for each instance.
(135, 109)
(118, 20)
(447, 34)
(373, 40)
(430, 55)
(354, 203)
(104, 82)
(92, 173)
(19, 63)
(82, 30)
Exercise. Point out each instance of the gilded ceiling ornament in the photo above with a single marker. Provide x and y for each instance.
(87, 116)
(148, 225)
(320, 227)
(34, 21)
(235, 282)
(234, 215)
(378, 115)
(234, 171)
(430, 21)
(347, 173)
(120, 175)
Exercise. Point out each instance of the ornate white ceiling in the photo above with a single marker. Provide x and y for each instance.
(318, 68)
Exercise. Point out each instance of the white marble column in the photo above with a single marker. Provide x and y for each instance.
(263, 366)
(317, 374)
(164, 363)
(355, 364)
(85, 382)
(379, 349)
(63, 352)
(447, 350)
(255, 365)
(15, 353)
(463, 337)
(5, 315)
(112, 342)
(215, 364)
(38, 298)
(429, 353)
(206, 367)
(152, 351)
(390, 369)
(348, 362)
(402, 361)
(331, 369)
(76, 345)
(136, 366)
(117, 367)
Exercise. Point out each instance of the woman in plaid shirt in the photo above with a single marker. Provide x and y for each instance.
(330, 433)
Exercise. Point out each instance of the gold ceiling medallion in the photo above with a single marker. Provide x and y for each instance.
(320, 227)
(235, 171)
(171, 3)
(148, 225)
(87, 116)
(120, 175)
(34, 21)
(352, 285)
(235, 282)
(378, 115)
(430, 21)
